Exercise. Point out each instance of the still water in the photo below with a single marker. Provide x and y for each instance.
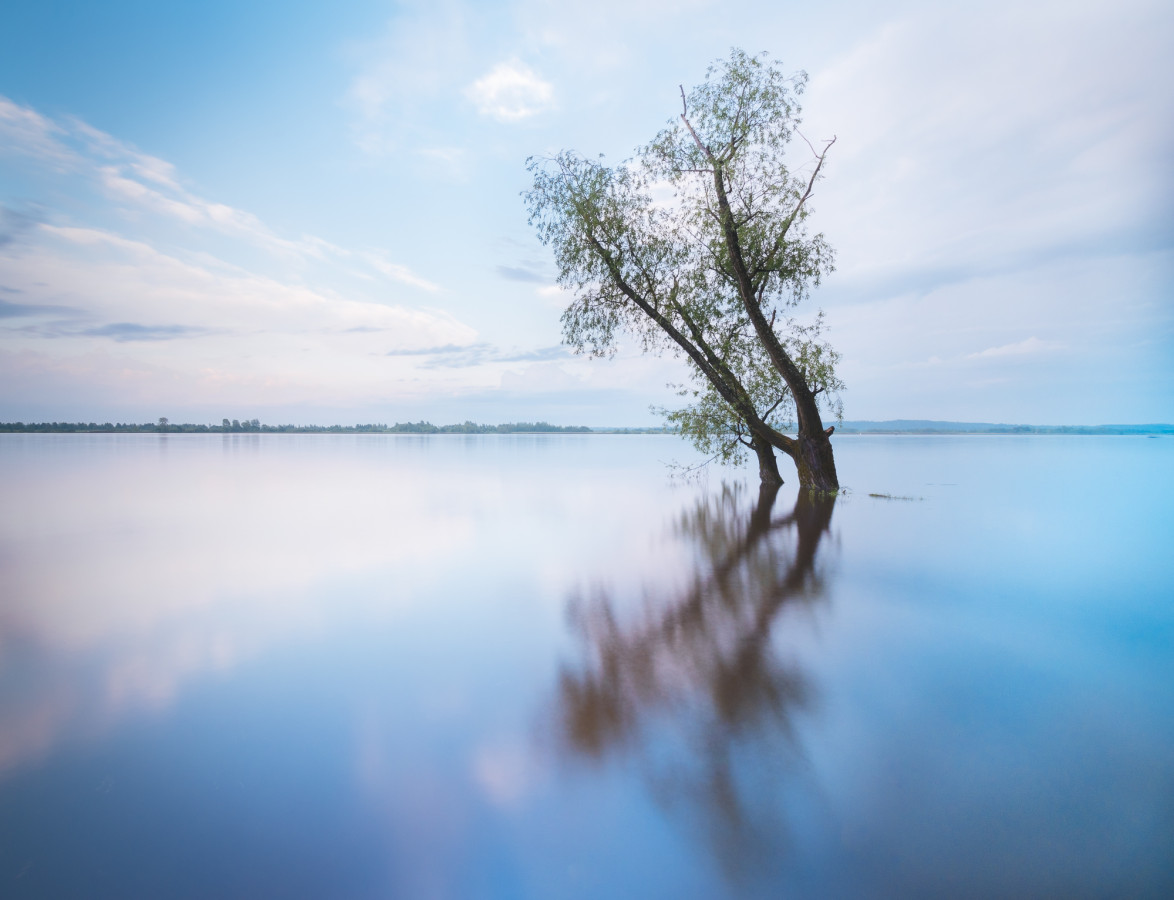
(537, 666)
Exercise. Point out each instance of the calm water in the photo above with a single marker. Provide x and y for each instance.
(377, 666)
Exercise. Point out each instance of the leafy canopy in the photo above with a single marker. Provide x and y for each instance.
(644, 249)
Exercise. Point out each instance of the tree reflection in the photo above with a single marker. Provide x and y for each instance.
(693, 687)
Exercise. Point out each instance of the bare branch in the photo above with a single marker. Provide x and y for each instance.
(814, 152)
(814, 175)
(684, 118)
(766, 415)
(798, 206)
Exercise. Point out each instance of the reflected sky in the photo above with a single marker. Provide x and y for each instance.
(531, 666)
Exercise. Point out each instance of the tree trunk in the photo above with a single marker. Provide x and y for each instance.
(811, 452)
(768, 466)
(815, 462)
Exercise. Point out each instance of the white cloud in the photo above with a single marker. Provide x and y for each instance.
(122, 278)
(972, 139)
(510, 92)
(1000, 173)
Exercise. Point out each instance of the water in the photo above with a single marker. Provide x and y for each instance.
(395, 666)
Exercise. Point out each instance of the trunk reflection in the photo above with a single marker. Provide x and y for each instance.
(693, 688)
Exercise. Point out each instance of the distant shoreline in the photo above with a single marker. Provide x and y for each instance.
(253, 426)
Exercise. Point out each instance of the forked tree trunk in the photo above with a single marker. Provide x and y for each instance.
(812, 448)
(811, 451)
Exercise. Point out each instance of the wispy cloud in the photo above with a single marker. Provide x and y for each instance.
(452, 356)
(108, 276)
(1032, 346)
(511, 91)
(133, 331)
(434, 351)
(523, 273)
(165, 296)
(25, 131)
(400, 273)
(33, 310)
(149, 184)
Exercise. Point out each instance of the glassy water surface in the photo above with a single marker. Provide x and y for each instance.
(535, 666)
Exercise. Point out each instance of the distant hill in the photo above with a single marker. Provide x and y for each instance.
(927, 426)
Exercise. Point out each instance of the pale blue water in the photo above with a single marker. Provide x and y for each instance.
(394, 666)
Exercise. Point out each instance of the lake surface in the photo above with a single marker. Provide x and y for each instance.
(537, 666)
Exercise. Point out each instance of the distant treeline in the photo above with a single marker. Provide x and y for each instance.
(253, 426)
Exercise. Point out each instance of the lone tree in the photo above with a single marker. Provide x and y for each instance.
(699, 244)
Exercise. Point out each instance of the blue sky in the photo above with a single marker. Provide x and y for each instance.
(300, 213)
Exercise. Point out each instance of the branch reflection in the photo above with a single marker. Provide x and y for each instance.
(694, 688)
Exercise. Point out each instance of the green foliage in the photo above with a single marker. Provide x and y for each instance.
(645, 249)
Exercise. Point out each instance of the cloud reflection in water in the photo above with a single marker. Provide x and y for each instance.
(150, 565)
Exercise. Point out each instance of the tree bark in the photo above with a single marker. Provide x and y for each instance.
(768, 466)
(815, 462)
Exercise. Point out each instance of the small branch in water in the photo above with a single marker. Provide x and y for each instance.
(686, 472)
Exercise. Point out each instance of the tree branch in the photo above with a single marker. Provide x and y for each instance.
(685, 118)
(774, 406)
(768, 263)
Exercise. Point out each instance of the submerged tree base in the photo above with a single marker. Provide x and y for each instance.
(816, 464)
(768, 465)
